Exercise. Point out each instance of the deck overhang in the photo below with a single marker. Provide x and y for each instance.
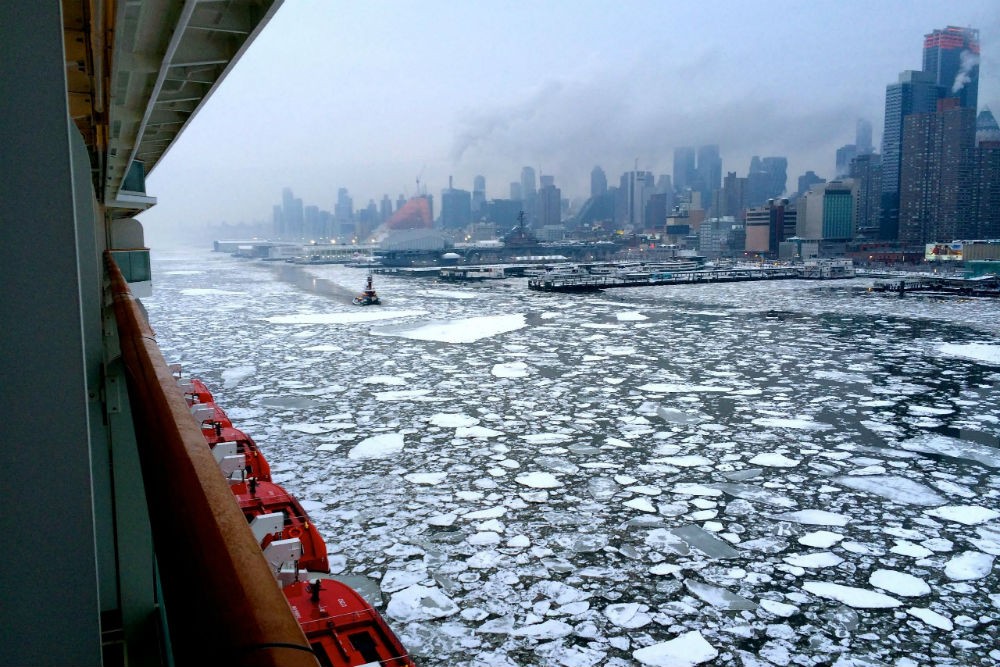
(138, 71)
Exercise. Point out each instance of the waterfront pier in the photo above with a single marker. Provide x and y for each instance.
(595, 282)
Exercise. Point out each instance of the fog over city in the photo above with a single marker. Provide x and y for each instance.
(375, 96)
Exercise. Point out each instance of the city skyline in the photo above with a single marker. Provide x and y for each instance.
(584, 100)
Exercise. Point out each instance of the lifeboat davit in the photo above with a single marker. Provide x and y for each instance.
(195, 391)
(257, 499)
(343, 629)
(216, 433)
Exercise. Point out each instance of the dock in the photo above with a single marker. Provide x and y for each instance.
(593, 283)
(982, 286)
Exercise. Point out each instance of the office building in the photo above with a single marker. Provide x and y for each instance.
(478, 195)
(598, 182)
(863, 137)
(951, 57)
(708, 171)
(866, 172)
(456, 207)
(986, 190)
(935, 196)
(914, 93)
(685, 173)
(807, 180)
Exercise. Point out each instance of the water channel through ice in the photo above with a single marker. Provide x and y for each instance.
(779, 473)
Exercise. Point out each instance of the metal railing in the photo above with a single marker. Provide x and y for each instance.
(222, 601)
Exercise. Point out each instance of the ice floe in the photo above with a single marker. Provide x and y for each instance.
(976, 351)
(686, 650)
(860, 598)
(347, 317)
(377, 446)
(893, 487)
(968, 566)
(967, 514)
(466, 330)
(900, 583)
(420, 603)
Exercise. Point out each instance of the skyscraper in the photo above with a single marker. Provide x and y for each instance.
(914, 92)
(951, 56)
(598, 182)
(478, 195)
(935, 185)
(863, 136)
(528, 187)
(709, 171)
(684, 168)
(456, 207)
(866, 171)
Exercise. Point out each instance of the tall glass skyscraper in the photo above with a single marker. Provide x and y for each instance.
(915, 92)
(951, 56)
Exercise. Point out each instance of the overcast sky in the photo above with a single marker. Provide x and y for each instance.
(372, 95)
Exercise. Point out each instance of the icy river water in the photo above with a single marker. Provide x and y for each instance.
(780, 473)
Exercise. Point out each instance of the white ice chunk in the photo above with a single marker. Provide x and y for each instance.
(814, 560)
(354, 316)
(428, 478)
(538, 480)
(397, 580)
(931, 618)
(550, 629)
(453, 420)
(377, 446)
(932, 443)
(490, 513)
(511, 369)
(467, 330)
(476, 432)
(895, 488)
(779, 608)
(629, 615)
(899, 583)
(420, 603)
(442, 520)
(686, 650)
(686, 461)
(545, 438)
(815, 518)
(233, 376)
(969, 565)
(801, 424)
(821, 539)
(670, 388)
(519, 542)
(774, 460)
(967, 514)
(641, 504)
(859, 598)
(693, 489)
(975, 351)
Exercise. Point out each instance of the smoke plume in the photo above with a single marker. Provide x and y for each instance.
(968, 61)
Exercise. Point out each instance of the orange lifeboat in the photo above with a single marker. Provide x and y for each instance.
(343, 629)
(258, 498)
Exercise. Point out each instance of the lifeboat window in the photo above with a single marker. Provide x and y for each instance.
(365, 645)
(321, 655)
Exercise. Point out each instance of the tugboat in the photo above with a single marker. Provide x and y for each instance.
(368, 297)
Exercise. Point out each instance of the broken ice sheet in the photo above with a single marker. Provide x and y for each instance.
(685, 650)
(718, 597)
(859, 598)
(684, 539)
(895, 488)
